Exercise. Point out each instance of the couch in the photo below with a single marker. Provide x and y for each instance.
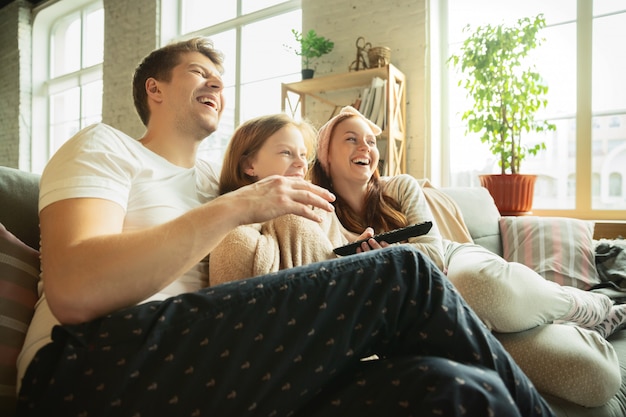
(19, 265)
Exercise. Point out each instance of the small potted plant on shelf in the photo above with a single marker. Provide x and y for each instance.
(311, 46)
(506, 96)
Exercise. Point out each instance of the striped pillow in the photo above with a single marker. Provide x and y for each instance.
(19, 274)
(558, 248)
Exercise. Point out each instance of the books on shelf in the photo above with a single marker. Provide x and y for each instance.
(373, 103)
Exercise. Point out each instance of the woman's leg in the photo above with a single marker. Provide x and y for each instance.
(516, 302)
(567, 361)
(510, 297)
(424, 386)
(265, 345)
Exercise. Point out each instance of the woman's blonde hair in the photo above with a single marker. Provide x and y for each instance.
(248, 138)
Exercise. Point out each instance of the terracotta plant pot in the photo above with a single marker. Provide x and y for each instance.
(512, 193)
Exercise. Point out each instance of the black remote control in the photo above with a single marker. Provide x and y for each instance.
(393, 236)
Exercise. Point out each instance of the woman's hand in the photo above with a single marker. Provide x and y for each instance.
(370, 243)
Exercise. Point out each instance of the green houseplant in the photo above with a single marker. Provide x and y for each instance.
(311, 46)
(506, 95)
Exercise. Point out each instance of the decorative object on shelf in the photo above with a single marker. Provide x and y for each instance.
(361, 54)
(311, 46)
(379, 56)
(370, 57)
(506, 95)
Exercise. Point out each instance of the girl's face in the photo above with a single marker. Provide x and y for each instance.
(352, 152)
(283, 153)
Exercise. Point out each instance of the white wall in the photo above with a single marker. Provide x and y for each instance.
(131, 31)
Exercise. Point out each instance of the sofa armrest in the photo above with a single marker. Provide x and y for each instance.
(19, 193)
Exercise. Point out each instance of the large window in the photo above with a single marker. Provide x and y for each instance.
(67, 73)
(582, 60)
(252, 34)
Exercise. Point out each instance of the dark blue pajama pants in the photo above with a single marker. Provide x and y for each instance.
(288, 344)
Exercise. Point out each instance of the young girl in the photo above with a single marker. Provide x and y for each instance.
(264, 146)
(509, 297)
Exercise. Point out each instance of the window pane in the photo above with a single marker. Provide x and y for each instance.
(609, 63)
(65, 112)
(609, 162)
(555, 60)
(213, 147)
(479, 12)
(253, 44)
(93, 42)
(609, 109)
(263, 52)
(66, 47)
(226, 42)
(555, 167)
(249, 6)
(198, 14)
(92, 103)
(261, 97)
(608, 6)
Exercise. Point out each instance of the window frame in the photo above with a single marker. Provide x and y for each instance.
(583, 115)
(171, 31)
(46, 19)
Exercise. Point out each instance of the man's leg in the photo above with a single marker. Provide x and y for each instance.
(414, 386)
(267, 345)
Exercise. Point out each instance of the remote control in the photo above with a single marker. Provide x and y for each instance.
(392, 236)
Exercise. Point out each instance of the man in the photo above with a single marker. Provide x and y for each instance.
(126, 227)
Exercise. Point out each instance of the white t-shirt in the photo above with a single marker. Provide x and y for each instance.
(103, 162)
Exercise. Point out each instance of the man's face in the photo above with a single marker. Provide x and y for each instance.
(194, 95)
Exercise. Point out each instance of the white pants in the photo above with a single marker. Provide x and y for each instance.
(519, 305)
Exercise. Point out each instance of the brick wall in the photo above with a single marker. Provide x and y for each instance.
(132, 31)
(15, 89)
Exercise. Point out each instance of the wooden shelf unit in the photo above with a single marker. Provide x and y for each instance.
(392, 142)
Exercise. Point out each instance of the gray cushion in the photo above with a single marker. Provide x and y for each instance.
(480, 215)
(19, 194)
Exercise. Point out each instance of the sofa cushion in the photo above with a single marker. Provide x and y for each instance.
(19, 193)
(447, 214)
(558, 248)
(19, 275)
(480, 215)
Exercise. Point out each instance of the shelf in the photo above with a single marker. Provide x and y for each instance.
(392, 143)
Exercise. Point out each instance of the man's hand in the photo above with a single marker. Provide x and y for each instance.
(275, 196)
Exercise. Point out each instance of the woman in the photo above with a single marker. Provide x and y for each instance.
(509, 297)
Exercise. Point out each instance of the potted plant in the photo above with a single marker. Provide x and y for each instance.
(506, 95)
(311, 46)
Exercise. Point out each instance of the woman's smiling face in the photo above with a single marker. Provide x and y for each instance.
(352, 152)
(283, 153)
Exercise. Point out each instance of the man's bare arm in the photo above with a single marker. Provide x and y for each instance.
(91, 268)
